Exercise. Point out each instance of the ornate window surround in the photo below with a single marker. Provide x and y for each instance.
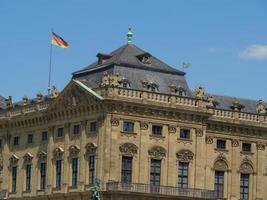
(157, 152)
(128, 149)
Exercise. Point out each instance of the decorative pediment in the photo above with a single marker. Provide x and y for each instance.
(128, 149)
(185, 155)
(13, 159)
(220, 163)
(74, 150)
(28, 157)
(91, 148)
(42, 155)
(157, 152)
(58, 152)
(246, 167)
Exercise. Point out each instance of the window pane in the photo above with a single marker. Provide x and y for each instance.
(126, 170)
(155, 170)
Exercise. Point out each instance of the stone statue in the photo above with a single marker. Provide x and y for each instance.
(95, 190)
(199, 92)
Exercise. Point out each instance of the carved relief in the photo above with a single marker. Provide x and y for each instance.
(261, 146)
(199, 132)
(220, 163)
(58, 152)
(42, 155)
(209, 139)
(91, 148)
(114, 122)
(157, 152)
(235, 143)
(246, 166)
(28, 157)
(74, 150)
(185, 155)
(13, 159)
(111, 80)
(143, 126)
(128, 149)
(260, 107)
(172, 129)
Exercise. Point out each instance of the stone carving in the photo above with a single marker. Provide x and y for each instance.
(261, 146)
(28, 157)
(74, 150)
(157, 152)
(128, 149)
(199, 132)
(220, 163)
(143, 126)
(58, 152)
(209, 139)
(13, 159)
(144, 84)
(185, 155)
(246, 166)
(114, 122)
(9, 102)
(173, 88)
(172, 129)
(235, 143)
(236, 106)
(39, 97)
(91, 148)
(25, 100)
(112, 80)
(54, 92)
(42, 155)
(200, 92)
(260, 107)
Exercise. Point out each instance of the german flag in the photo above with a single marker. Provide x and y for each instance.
(58, 41)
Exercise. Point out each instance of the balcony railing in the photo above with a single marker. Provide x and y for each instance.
(162, 190)
(3, 194)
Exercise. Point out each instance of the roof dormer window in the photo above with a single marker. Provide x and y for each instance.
(153, 87)
(102, 58)
(181, 91)
(237, 106)
(125, 83)
(145, 58)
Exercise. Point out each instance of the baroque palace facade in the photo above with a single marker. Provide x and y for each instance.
(131, 120)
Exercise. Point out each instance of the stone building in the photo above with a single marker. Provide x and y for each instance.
(131, 120)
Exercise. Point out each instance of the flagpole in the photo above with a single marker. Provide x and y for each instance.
(50, 66)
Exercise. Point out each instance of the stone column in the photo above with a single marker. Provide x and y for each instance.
(260, 170)
(66, 164)
(235, 178)
(172, 159)
(50, 165)
(82, 165)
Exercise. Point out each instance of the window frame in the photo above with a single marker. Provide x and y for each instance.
(28, 174)
(222, 145)
(58, 173)
(126, 169)
(44, 133)
(127, 123)
(75, 171)
(14, 174)
(43, 172)
(245, 145)
(76, 129)
(95, 125)
(182, 133)
(16, 140)
(154, 128)
(219, 183)
(183, 174)
(244, 177)
(62, 132)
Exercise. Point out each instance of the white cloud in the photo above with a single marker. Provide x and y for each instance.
(257, 52)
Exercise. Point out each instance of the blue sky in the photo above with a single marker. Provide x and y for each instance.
(224, 41)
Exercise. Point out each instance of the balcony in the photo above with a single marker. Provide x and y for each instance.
(161, 190)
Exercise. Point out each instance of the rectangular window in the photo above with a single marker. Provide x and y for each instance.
(43, 176)
(219, 183)
(28, 177)
(183, 175)
(16, 141)
(60, 132)
(221, 144)
(91, 169)
(14, 178)
(246, 147)
(58, 173)
(30, 138)
(76, 129)
(93, 127)
(244, 186)
(128, 127)
(156, 130)
(74, 171)
(126, 169)
(155, 169)
(185, 133)
(44, 136)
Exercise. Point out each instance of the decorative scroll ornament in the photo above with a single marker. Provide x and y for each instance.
(261, 146)
(128, 149)
(172, 129)
(220, 163)
(91, 148)
(143, 126)
(260, 107)
(235, 143)
(114, 122)
(58, 152)
(199, 132)
(157, 152)
(209, 139)
(185, 155)
(14, 159)
(28, 157)
(74, 150)
(246, 167)
(42, 155)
